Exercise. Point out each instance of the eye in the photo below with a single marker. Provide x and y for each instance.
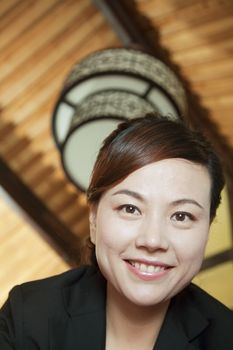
(129, 209)
(182, 216)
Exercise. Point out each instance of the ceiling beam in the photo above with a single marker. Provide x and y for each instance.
(60, 237)
(117, 14)
(217, 259)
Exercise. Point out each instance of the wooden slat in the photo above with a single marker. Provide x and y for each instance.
(17, 22)
(211, 33)
(51, 25)
(16, 250)
(218, 87)
(213, 70)
(222, 101)
(203, 54)
(188, 10)
(5, 130)
(12, 11)
(6, 6)
(170, 27)
(45, 74)
(39, 212)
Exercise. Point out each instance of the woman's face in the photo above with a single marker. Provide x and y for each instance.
(151, 230)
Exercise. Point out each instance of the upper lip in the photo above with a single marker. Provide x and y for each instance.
(150, 262)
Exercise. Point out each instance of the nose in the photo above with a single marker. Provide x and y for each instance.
(152, 236)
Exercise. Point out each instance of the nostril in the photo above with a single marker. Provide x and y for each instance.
(152, 243)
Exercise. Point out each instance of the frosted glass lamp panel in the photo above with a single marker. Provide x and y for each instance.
(109, 82)
(62, 121)
(83, 146)
(162, 103)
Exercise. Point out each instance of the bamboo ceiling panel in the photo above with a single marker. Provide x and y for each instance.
(199, 36)
(41, 42)
(24, 254)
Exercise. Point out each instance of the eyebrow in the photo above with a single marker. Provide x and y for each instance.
(130, 193)
(174, 203)
(187, 201)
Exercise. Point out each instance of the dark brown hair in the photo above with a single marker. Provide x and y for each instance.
(141, 141)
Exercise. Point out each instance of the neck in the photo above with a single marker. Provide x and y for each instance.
(125, 319)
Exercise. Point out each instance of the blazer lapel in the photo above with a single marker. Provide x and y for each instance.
(172, 335)
(85, 324)
(183, 324)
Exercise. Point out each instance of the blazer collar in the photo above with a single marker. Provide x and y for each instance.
(183, 324)
(86, 296)
(85, 324)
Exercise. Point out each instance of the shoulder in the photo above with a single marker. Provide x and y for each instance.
(210, 306)
(217, 319)
(26, 313)
(43, 297)
(207, 323)
(54, 282)
(47, 290)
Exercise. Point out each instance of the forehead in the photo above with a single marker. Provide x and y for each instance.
(173, 177)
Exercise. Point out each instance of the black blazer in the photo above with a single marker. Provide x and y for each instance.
(67, 312)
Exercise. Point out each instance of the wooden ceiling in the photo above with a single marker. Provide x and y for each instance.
(199, 37)
(40, 42)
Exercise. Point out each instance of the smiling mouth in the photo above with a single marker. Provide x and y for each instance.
(147, 268)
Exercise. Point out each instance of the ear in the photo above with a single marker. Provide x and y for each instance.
(92, 223)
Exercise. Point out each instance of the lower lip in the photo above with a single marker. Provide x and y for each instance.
(147, 276)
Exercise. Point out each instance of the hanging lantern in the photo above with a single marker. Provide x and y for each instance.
(103, 89)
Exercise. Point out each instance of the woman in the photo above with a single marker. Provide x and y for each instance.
(153, 195)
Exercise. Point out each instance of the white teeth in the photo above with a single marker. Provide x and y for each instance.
(147, 268)
(151, 269)
(143, 267)
(158, 268)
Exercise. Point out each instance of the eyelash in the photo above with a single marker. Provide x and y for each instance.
(185, 215)
(127, 206)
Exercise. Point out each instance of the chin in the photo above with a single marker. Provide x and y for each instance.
(144, 300)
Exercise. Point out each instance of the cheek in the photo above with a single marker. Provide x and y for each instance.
(108, 234)
(191, 248)
(113, 234)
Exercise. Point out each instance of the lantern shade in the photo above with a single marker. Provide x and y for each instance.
(107, 87)
(88, 137)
